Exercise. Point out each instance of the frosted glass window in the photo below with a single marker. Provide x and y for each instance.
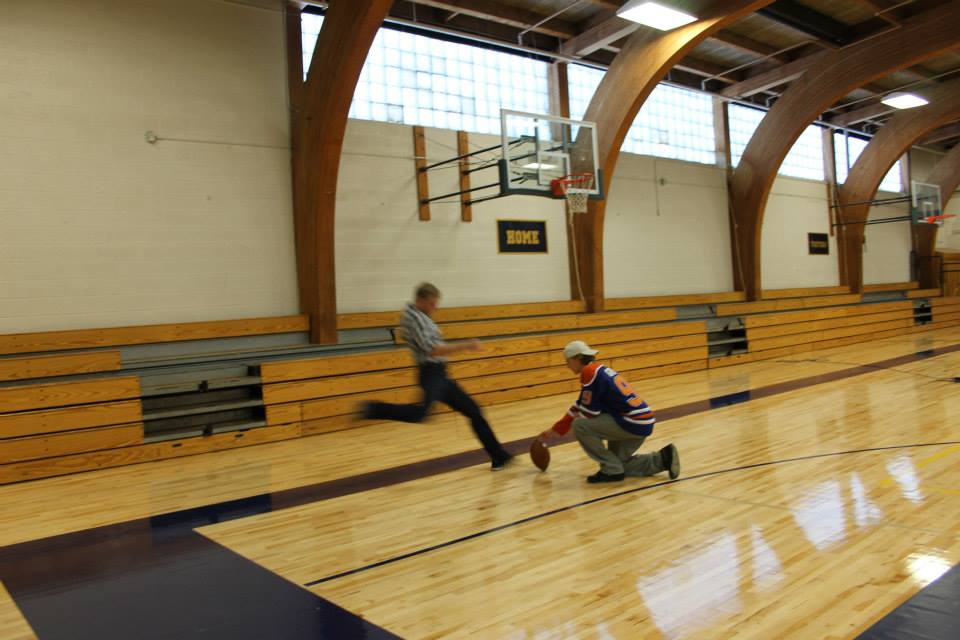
(672, 123)
(805, 159)
(417, 80)
(891, 182)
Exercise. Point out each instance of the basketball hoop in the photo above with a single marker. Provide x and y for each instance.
(575, 188)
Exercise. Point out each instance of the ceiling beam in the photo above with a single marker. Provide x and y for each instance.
(504, 14)
(706, 69)
(772, 78)
(807, 20)
(879, 7)
(943, 133)
(748, 45)
(859, 115)
(602, 35)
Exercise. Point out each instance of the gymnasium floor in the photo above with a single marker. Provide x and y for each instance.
(819, 498)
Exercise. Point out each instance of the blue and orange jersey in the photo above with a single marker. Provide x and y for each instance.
(606, 391)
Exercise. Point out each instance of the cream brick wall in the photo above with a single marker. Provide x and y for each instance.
(666, 229)
(384, 249)
(99, 228)
(796, 208)
(887, 246)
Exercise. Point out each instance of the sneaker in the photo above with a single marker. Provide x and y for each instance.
(500, 463)
(600, 476)
(366, 411)
(670, 459)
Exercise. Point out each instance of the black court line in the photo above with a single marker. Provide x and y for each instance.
(156, 578)
(619, 494)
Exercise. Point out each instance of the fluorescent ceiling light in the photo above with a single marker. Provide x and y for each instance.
(655, 15)
(538, 165)
(901, 100)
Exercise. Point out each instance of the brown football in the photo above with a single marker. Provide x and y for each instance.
(540, 455)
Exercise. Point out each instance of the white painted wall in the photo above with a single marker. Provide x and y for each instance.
(887, 246)
(666, 229)
(948, 238)
(99, 228)
(384, 250)
(796, 208)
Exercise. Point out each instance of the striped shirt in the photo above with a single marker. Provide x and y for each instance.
(421, 334)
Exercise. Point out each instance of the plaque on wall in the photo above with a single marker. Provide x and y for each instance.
(522, 236)
(819, 244)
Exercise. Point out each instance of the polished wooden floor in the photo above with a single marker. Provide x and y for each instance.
(808, 513)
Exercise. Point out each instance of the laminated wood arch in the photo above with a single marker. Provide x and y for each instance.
(893, 140)
(635, 72)
(946, 175)
(835, 75)
(320, 107)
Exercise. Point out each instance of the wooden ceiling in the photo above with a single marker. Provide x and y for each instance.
(753, 60)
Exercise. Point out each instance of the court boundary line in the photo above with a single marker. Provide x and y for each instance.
(545, 514)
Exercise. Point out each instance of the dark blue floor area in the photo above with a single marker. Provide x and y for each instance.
(932, 614)
(157, 579)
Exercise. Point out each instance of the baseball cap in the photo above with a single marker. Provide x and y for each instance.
(578, 348)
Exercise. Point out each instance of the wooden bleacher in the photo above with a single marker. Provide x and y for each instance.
(88, 413)
(69, 425)
(324, 392)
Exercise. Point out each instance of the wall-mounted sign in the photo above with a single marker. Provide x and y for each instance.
(819, 244)
(522, 236)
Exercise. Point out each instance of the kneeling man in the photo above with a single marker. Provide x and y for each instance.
(609, 409)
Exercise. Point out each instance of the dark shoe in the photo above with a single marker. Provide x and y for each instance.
(600, 476)
(366, 411)
(500, 463)
(670, 459)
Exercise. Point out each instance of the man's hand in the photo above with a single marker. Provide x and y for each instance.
(472, 344)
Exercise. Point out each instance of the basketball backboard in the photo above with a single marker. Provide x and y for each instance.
(538, 149)
(925, 204)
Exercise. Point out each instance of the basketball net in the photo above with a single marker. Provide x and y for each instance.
(574, 188)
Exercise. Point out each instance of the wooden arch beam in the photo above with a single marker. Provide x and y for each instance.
(946, 175)
(319, 123)
(838, 73)
(635, 72)
(893, 140)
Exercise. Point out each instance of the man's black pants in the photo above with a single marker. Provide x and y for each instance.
(437, 387)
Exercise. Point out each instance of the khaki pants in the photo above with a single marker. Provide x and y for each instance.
(617, 456)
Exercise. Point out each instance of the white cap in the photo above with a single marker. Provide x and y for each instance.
(578, 348)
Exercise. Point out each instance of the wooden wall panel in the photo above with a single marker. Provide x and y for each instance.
(62, 394)
(613, 304)
(69, 442)
(58, 365)
(82, 417)
(45, 468)
(391, 319)
(341, 50)
(147, 334)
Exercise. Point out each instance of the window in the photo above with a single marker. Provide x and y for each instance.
(417, 80)
(848, 148)
(673, 122)
(805, 159)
